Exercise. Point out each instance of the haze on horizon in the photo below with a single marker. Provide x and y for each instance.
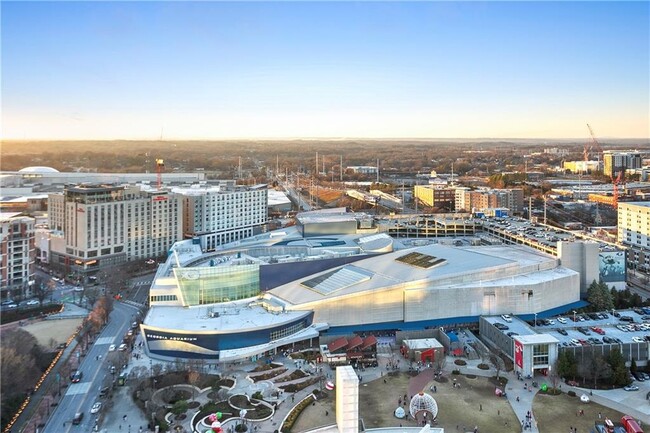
(232, 70)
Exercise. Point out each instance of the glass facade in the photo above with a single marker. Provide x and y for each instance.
(540, 354)
(210, 285)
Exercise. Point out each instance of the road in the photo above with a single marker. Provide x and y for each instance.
(140, 288)
(79, 397)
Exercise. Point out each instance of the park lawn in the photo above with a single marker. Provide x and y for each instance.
(51, 333)
(457, 406)
(559, 413)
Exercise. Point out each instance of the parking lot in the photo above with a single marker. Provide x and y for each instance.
(608, 329)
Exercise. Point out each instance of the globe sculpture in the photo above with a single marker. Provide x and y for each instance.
(423, 402)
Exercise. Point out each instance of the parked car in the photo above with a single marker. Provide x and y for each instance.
(561, 320)
(111, 348)
(96, 407)
(122, 347)
(32, 302)
(562, 331)
(631, 388)
(506, 317)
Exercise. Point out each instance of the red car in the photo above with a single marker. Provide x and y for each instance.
(598, 330)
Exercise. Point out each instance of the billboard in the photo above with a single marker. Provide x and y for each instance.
(519, 354)
(611, 266)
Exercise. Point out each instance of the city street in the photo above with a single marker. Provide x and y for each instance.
(79, 397)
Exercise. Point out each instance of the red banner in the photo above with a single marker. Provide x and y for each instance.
(519, 354)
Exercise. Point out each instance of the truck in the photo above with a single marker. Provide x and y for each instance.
(630, 424)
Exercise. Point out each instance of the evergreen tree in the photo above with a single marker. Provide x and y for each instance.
(606, 294)
(633, 367)
(567, 365)
(619, 371)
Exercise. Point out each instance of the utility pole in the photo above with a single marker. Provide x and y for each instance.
(530, 208)
(341, 168)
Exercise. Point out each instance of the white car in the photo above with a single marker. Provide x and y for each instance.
(637, 339)
(506, 317)
(96, 407)
(111, 348)
(561, 320)
(122, 347)
(32, 302)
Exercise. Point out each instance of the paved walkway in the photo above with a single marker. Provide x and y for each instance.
(520, 398)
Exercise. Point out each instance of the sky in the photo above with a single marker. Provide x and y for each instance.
(213, 70)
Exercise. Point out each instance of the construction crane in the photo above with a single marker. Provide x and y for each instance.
(616, 181)
(595, 145)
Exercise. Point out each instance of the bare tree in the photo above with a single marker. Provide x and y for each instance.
(497, 363)
(554, 374)
(595, 367)
(92, 294)
(41, 290)
(193, 378)
(440, 362)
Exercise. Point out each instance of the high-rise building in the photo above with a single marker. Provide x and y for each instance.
(100, 226)
(17, 255)
(634, 232)
(219, 214)
(616, 162)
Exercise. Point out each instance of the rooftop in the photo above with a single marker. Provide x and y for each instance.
(228, 317)
(384, 271)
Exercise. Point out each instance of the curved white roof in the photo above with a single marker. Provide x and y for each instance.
(38, 169)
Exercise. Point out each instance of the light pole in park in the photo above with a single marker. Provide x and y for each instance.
(574, 315)
(535, 319)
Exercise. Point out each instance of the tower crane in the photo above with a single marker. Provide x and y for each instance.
(616, 181)
(595, 145)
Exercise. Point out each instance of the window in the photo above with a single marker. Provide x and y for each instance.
(540, 354)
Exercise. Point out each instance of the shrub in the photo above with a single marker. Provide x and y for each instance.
(180, 407)
(295, 413)
(241, 428)
(571, 393)
(258, 395)
(483, 366)
(460, 362)
(455, 372)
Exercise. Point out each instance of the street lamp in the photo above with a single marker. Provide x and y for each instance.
(574, 316)
(535, 319)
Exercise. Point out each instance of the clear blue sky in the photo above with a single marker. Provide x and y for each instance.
(332, 69)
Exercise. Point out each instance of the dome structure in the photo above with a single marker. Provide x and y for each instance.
(38, 169)
(423, 402)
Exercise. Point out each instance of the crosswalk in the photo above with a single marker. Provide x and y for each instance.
(142, 283)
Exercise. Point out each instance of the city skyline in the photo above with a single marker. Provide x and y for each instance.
(219, 70)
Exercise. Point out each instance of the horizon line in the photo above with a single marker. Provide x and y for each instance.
(333, 138)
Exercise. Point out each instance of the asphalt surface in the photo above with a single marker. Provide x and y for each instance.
(79, 397)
